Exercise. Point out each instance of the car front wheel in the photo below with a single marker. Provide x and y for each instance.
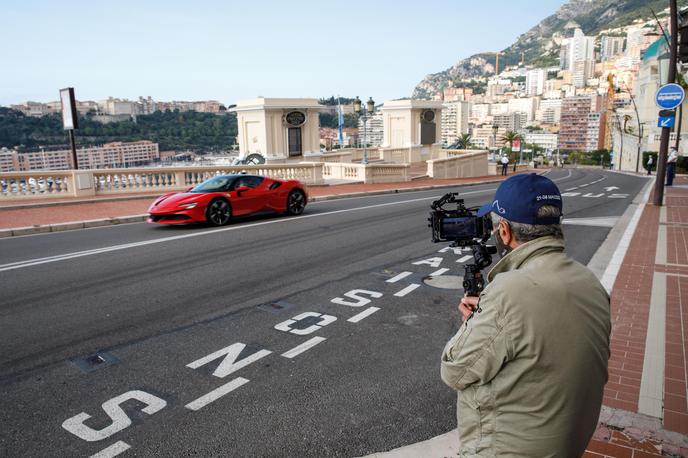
(218, 212)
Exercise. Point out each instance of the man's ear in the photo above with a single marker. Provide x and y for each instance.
(505, 233)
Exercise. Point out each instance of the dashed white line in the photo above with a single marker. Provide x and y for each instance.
(398, 277)
(364, 314)
(113, 450)
(464, 259)
(407, 290)
(439, 272)
(216, 394)
(307, 345)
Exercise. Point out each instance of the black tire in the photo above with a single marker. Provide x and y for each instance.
(296, 202)
(218, 212)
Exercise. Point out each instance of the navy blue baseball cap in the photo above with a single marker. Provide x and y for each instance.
(519, 198)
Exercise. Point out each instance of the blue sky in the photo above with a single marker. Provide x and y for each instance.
(229, 50)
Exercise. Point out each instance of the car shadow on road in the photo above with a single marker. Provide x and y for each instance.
(235, 221)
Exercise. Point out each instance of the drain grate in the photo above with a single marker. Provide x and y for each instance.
(95, 361)
(275, 307)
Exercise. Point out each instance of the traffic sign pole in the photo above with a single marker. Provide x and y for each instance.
(658, 198)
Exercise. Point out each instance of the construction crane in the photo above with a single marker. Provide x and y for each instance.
(609, 113)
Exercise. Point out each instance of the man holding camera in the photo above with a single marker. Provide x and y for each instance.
(529, 361)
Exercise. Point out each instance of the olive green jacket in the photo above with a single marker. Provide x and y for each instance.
(530, 368)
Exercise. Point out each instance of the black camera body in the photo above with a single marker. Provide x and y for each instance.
(464, 228)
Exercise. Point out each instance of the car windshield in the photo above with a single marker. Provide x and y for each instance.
(214, 184)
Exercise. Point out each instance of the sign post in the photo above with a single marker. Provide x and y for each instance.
(69, 119)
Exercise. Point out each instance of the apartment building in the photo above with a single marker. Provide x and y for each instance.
(454, 120)
(510, 121)
(109, 155)
(582, 126)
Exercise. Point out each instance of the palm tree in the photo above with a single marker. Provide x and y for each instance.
(510, 137)
(464, 142)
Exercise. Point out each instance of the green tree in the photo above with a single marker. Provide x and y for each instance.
(464, 142)
(510, 137)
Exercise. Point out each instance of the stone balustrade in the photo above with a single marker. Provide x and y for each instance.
(370, 173)
(79, 183)
(459, 164)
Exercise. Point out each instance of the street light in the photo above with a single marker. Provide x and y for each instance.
(495, 128)
(365, 114)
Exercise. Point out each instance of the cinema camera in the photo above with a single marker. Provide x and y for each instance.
(464, 228)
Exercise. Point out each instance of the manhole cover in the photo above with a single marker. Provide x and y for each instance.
(96, 361)
(444, 281)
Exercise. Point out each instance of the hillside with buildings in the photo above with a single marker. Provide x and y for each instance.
(540, 46)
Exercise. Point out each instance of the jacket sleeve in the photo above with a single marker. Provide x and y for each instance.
(479, 349)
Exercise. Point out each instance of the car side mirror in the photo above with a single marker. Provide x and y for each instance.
(241, 189)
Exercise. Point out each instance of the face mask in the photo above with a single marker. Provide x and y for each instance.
(502, 248)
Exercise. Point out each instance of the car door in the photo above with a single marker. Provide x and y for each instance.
(250, 200)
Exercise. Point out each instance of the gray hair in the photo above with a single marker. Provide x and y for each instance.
(526, 232)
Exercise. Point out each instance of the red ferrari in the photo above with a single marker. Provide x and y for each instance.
(218, 199)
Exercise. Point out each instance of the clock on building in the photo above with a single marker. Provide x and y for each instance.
(295, 118)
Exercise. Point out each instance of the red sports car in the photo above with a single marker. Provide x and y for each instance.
(218, 199)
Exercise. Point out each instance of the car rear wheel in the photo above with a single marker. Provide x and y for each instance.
(296, 202)
(218, 212)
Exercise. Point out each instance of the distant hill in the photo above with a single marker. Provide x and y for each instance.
(540, 45)
(189, 130)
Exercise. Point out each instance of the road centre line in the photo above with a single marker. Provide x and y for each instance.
(464, 258)
(439, 272)
(307, 345)
(216, 394)
(78, 254)
(364, 314)
(113, 450)
(398, 277)
(407, 290)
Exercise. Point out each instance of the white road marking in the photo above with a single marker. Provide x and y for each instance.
(572, 189)
(398, 277)
(611, 188)
(570, 194)
(113, 450)
(407, 290)
(229, 363)
(307, 345)
(601, 221)
(439, 272)
(286, 326)
(119, 418)
(432, 262)
(356, 295)
(216, 394)
(618, 196)
(594, 196)
(584, 185)
(364, 314)
(463, 259)
(455, 249)
(79, 254)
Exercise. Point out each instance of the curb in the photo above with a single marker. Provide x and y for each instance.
(73, 225)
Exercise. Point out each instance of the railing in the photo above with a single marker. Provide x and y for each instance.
(76, 183)
(36, 184)
(370, 173)
(459, 165)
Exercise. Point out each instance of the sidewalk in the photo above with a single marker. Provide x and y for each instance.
(29, 216)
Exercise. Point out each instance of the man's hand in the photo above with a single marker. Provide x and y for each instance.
(467, 305)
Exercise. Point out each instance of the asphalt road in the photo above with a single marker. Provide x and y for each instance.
(198, 352)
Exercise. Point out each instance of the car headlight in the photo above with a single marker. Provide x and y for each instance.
(189, 205)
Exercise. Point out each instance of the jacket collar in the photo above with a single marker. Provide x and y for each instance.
(517, 258)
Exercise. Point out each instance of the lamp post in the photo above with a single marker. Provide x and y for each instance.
(495, 128)
(365, 114)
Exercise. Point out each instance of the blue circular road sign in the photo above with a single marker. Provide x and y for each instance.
(670, 96)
